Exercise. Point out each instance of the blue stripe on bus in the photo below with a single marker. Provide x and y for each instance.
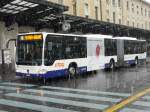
(59, 101)
(30, 106)
(130, 62)
(52, 74)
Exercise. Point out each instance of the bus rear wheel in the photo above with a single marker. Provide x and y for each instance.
(136, 61)
(112, 65)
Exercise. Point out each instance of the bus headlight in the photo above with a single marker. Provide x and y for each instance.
(43, 71)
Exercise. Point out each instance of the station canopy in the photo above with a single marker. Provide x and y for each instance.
(29, 12)
(86, 25)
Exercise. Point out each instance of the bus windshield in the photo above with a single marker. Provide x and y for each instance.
(29, 51)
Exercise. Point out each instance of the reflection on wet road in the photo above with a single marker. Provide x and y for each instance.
(90, 93)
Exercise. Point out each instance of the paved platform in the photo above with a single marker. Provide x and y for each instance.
(18, 97)
(86, 93)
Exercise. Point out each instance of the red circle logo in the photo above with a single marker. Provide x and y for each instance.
(97, 50)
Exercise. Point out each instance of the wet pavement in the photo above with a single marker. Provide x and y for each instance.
(86, 93)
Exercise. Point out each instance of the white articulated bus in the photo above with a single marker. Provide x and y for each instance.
(49, 55)
(130, 50)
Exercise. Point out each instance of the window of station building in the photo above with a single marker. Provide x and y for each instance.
(137, 9)
(86, 10)
(145, 12)
(128, 23)
(145, 24)
(114, 17)
(60, 1)
(142, 26)
(110, 47)
(137, 25)
(142, 11)
(133, 24)
(127, 5)
(107, 1)
(132, 7)
(107, 11)
(119, 3)
(74, 8)
(96, 12)
(113, 2)
(119, 21)
(59, 47)
(108, 20)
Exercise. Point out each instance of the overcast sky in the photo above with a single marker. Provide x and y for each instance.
(147, 1)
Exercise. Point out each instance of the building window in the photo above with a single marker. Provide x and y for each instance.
(75, 8)
(107, 11)
(142, 11)
(107, 1)
(137, 9)
(114, 17)
(108, 20)
(119, 3)
(145, 12)
(113, 2)
(127, 5)
(86, 10)
(132, 7)
(119, 21)
(96, 12)
(137, 25)
(142, 25)
(128, 23)
(60, 1)
(149, 14)
(133, 24)
(145, 25)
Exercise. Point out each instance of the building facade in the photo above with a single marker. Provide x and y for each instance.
(134, 13)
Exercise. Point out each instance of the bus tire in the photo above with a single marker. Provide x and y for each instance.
(136, 61)
(72, 70)
(112, 64)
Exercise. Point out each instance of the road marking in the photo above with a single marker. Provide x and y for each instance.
(132, 110)
(30, 106)
(3, 111)
(9, 88)
(97, 98)
(59, 101)
(17, 84)
(142, 103)
(146, 97)
(127, 101)
(88, 91)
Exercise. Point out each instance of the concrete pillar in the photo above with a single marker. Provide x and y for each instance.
(7, 33)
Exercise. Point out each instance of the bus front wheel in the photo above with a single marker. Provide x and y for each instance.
(72, 71)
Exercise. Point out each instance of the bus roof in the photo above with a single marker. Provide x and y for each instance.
(129, 38)
(46, 33)
(126, 38)
(98, 36)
